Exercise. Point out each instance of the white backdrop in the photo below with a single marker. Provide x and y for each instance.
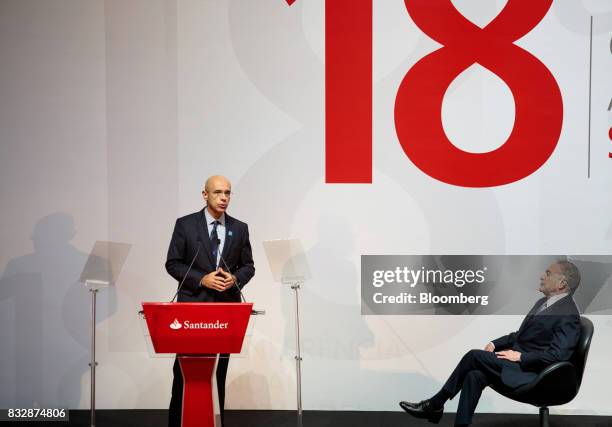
(113, 114)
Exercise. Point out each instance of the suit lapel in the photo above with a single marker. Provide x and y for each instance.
(562, 306)
(229, 235)
(537, 306)
(530, 316)
(205, 238)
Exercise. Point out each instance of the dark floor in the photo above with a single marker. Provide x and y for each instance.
(158, 418)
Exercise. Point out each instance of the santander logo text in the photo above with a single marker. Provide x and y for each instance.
(187, 324)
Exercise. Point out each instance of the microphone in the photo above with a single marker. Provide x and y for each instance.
(188, 270)
(228, 270)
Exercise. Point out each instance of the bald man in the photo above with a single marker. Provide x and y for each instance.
(224, 264)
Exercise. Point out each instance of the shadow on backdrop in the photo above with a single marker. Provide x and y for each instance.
(46, 341)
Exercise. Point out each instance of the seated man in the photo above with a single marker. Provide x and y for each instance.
(549, 333)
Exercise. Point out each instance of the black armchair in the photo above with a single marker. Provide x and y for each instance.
(558, 383)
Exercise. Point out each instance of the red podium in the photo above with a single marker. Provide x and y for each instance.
(197, 332)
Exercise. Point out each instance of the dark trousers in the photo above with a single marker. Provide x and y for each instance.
(476, 370)
(176, 401)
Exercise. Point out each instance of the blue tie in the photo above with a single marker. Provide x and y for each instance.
(214, 242)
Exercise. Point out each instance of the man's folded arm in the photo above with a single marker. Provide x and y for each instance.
(177, 264)
(504, 342)
(565, 338)
(246, 269)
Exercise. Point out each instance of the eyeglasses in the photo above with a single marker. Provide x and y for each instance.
(218, 193)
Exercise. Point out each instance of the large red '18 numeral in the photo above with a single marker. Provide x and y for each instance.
(418, 117)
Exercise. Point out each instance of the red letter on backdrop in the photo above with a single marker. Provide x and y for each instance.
(348, 91)
(418, 106)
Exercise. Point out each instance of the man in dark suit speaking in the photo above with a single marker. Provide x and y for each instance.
(219, 248)
(549, 333)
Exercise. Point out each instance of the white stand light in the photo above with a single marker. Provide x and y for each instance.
(101, 271)
(288, 265)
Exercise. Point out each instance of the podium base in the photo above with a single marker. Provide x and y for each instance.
(200, 397)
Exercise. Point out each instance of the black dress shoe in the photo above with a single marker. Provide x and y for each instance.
(423, 409)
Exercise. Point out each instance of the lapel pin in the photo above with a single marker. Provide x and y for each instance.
(229, 233)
